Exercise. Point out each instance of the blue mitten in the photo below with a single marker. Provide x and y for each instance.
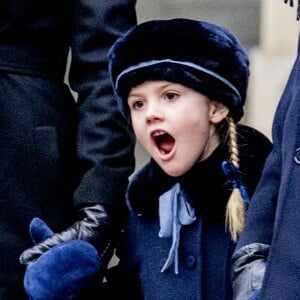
(61, 272)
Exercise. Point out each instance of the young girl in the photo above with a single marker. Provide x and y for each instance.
(182, 84)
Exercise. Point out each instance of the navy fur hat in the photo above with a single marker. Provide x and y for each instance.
(200, 55)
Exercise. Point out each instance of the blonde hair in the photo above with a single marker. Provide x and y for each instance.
(235, 210)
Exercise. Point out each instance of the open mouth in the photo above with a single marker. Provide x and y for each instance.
(164, 141)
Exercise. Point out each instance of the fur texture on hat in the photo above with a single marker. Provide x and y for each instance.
(200, 55)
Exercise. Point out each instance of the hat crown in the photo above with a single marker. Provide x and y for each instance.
(207, 52)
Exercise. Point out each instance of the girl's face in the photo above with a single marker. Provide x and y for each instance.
(175, 124)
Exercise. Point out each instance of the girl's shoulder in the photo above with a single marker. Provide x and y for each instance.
(253, 143)
(254, 148)
(250, 135)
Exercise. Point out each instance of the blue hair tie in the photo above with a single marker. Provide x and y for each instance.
(232, 174)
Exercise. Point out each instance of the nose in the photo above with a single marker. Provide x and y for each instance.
(153, 113)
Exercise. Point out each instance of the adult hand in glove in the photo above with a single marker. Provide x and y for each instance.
(61, 272)
(94, 226)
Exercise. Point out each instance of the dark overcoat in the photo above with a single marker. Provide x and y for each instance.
(274, 213)
(205, 246)
(56, 154)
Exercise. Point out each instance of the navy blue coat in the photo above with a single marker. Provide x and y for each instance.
(274, 213)
(205, 247)
(57, 154)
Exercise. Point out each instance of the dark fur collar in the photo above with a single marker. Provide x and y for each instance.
(205, 182)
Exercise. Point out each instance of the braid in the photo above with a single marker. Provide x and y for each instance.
(233, 147)
(235, 210)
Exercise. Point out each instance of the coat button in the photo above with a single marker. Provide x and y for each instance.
(297, 156)
(191, 262)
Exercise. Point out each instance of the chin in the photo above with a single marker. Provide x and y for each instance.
(174, 172)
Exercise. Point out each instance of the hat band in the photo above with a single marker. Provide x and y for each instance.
(183, 63)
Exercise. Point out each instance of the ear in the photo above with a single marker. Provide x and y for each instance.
(217, 112)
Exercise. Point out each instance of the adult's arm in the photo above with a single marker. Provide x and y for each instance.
(105, 146)
(104, 143)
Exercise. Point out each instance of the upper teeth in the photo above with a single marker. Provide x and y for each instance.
(157, 133)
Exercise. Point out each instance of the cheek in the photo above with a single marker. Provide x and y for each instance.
(134, 122)
(197, 112)
(138, 129)
(194, 123)
(194, 135)
(135, 128)
(196, 138)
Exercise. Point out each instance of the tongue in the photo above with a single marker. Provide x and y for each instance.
(165, 143)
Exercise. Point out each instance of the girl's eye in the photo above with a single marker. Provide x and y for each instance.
(171, 96)
(138, 104)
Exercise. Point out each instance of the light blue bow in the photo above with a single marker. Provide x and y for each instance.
(174, 211)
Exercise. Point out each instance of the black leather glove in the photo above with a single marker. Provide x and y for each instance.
(94, 226)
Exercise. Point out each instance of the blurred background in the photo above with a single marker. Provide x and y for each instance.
(268, 29)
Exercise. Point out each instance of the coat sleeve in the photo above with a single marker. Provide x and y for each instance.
(250, 257)
(249, 261)
(105, 145)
